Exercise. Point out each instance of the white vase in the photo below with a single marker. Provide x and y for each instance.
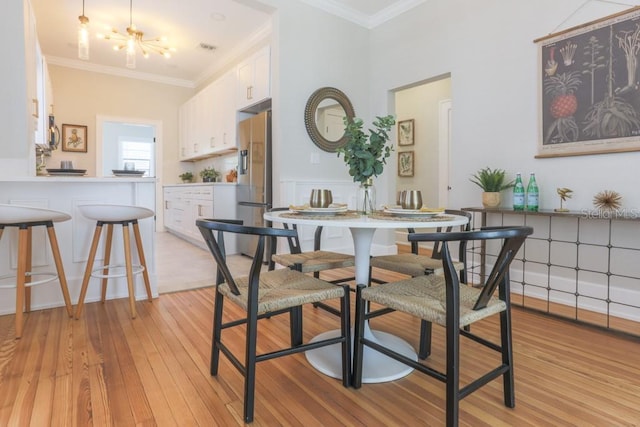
(366, 197)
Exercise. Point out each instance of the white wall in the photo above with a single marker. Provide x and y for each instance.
(421, 103)
(82, 95)
(313, 49)
(488, 49)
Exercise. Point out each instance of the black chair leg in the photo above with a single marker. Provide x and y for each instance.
(425, 339)
(250, 367)
(296, 326)
(507, 358)
(217, 332)
(345, 329)
(358, 346)
(453, 369)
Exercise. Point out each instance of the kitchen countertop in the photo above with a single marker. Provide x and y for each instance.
(198, 184)
(88, 179)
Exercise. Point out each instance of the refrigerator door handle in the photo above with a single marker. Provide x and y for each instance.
(244, 162)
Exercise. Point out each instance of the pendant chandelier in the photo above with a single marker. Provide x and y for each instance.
(83, 36)
(134, 40)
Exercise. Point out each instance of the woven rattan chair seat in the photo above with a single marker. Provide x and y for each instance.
(424, 297)
(284, 288)
(313, 261)
(411, 264)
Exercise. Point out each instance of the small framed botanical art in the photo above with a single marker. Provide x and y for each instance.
(405, 132)
(74, 138)
(405, 163)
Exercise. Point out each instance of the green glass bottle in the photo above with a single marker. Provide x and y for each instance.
(533, 194)
(518, 194)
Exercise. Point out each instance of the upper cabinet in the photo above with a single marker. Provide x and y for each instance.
(39, 92)
(207, 121)
(254, 78)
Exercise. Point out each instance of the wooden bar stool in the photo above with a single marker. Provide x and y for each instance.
(110, 215)
(24, 218)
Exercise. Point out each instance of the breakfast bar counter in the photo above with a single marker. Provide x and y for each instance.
(67, 193)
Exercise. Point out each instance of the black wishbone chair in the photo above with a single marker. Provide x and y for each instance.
(442, 299)
(312, 261)
(413, 264)
(264, 294)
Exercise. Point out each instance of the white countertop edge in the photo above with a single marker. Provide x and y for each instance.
(87, 179)
(200, 184)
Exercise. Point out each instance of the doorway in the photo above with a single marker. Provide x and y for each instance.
(428, 104)
(120, 139)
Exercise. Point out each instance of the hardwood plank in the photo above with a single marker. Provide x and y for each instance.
(109, 369)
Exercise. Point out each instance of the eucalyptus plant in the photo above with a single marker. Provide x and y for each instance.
(366, 154)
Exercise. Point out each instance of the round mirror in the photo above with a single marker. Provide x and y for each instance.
(324, 118)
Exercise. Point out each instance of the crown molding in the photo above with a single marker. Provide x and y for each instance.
(392, 11)
(362, 19)
(120, 72)
(258, 37)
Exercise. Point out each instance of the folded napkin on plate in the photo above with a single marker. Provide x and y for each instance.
(306, 206)
(299, 208)
(426, 209)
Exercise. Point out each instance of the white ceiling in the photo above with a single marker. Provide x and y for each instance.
(186, 23)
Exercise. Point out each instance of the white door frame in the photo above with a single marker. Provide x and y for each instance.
(157, 125)
(444, 151)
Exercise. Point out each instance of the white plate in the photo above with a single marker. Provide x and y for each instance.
(123, 172)
(411, 212)
(316, 211)
(67, 172)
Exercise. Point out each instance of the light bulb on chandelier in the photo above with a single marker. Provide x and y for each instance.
(83, 36)
(135, 38)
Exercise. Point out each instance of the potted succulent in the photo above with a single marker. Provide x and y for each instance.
(366, 156)
(209, 174)
(186, 177)
(492, 182)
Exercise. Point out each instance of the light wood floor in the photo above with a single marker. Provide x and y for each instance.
(106, 369)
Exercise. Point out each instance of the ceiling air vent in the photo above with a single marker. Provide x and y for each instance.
(207, 47)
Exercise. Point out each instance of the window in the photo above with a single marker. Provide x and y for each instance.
(139, 151)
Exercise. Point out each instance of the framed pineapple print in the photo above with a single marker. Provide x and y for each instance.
(74, 138)
(589, 97)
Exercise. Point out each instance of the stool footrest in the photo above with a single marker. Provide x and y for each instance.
(98, 271)
(50, 277)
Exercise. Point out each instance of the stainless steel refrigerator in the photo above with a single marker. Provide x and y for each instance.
(254, 175)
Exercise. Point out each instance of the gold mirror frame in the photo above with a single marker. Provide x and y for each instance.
(310, 116)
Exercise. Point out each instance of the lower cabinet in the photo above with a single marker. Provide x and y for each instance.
(184, 204)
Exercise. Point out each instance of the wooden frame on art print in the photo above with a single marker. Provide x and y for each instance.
(588, 93)
(405, 163)
(406, 132)
(74, 138)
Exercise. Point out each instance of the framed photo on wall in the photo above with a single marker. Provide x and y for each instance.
(405, 163)
(74, 138)
(406, 132)
(587, 88)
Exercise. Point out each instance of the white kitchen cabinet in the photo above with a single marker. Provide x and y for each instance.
(227, 120)
(207, 122)
(254, 78)
(33, 68)
(186, 203)
(186, 130)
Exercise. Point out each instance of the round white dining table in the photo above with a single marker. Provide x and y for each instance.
(377, 367)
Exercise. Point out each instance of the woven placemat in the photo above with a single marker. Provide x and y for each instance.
(412, 218)
(338, 215)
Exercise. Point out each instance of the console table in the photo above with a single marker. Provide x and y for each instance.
(583, 266)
